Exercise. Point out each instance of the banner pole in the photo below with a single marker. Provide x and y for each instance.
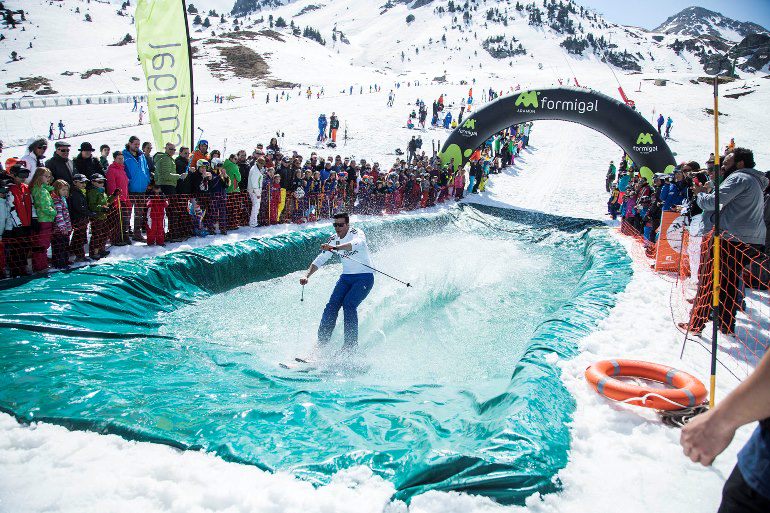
(192, 88)
(716, 277)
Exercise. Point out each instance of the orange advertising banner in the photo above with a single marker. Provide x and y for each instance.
(671, 242)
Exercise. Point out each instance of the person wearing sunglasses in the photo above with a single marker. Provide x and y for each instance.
(353, 285)
(60, 164)
(35, 156)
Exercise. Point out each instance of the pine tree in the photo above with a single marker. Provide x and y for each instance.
(191, 9)
(197, 20)
(280, 22)
(206, 22)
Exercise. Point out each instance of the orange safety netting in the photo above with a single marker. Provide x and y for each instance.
(744, 296)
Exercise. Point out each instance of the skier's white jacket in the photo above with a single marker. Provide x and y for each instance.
(360, 252)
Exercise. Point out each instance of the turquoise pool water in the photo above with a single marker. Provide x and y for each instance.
(452, 387)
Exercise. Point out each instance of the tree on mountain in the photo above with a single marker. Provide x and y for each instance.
(191, 9)
(222, 19)
(88, 18)
(197, 20)
(280, 22)
(313, 34)
(206, 22)
(410, 18)
(270, 20)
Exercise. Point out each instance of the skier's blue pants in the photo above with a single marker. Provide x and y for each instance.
(350, 291)
(471, 183)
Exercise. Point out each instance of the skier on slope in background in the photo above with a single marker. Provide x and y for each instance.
(322, 124)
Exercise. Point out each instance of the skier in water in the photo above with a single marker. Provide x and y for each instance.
(354, 284)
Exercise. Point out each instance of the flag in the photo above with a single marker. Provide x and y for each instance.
(164, 51)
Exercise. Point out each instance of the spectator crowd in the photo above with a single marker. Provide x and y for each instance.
(744, 198)
(60, 210)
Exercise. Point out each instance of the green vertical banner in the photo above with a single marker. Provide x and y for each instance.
(164, 51)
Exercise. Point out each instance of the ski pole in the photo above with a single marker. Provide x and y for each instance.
(302, 297)
(373, 269)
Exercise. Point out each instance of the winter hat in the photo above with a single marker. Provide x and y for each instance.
(96, 177)
(203, 163)
(35, 142)
(203, 142)
(79, 178)
(86, 146)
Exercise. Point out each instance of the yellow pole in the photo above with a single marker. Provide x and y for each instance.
(717, 243)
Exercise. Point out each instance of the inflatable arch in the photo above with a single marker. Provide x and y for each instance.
(625, 126)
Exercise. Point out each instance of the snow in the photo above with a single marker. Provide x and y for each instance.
(620, 455)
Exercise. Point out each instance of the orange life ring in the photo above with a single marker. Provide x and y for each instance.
(688, 391)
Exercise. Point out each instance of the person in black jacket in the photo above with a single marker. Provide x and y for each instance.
(80, 216)
(147, 150)
(334, 125)
(244, 167)
(411, 150)
(85, 163)
(182, 163)
(477, 172)
(192, 184)
(60, 164)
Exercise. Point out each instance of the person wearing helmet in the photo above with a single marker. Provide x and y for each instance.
(201, 152)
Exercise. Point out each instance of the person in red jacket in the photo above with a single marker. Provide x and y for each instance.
(18, 240)
(275, 198)
(117, 180)
(156, 215)
(201, 153)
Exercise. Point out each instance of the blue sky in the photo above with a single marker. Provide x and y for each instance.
(651, 13)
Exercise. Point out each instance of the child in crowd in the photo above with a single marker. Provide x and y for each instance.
(329, 193)
(80, 217)
(156, 216)
(46, 213)
(274, 199)
(6, 220)
(216, 183)
(459, 184)
(62, 226)
(98, 202)
(196, 215)
(613, 204)
(18, 239)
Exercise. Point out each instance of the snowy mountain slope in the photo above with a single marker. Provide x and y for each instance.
(366, 39)
(696, 21)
